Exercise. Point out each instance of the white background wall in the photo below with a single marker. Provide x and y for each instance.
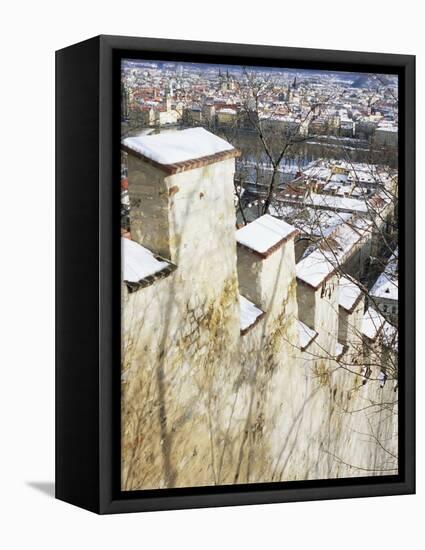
(30, 32)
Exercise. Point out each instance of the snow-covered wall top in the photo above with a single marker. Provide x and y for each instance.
(372, 323)
(314, 269)
(139, 262)
(179, 146)
(349, 293)
(264, 234)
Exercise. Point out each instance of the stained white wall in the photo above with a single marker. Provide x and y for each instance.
(31, 31)
(189, 377)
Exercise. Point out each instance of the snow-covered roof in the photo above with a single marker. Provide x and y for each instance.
(309, 220)
(386, 285)
(347, 234)
(328, 202)
(314, 268)
(265, 234)
(305, 335)
(372, 323)
(390, 336)
(387, 127)
(249, 313)
(338, 178)
(138, 262)
(337, 203)
(227, 111)
(178, 146)
(349, 293)
(318, 172)
(338, 244)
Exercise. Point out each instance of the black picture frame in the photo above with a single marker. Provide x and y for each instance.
(88, 274)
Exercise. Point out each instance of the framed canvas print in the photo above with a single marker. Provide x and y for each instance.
(235, 274)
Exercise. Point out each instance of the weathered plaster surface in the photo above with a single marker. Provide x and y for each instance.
(204, 405)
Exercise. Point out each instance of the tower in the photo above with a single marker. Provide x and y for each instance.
(182, 325)
(168, 101)
(171, 178)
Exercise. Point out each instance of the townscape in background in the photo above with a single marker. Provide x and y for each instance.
(259, 223)
(340, 165)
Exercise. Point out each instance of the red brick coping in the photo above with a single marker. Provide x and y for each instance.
(187, 164)
(276, 246)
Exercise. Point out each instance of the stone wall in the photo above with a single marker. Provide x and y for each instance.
(203, 404)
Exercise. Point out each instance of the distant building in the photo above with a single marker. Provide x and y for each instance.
(208, 112)
(227, 116)
(365, 128)
(192, 116)
(347, 127)
(386, 135)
